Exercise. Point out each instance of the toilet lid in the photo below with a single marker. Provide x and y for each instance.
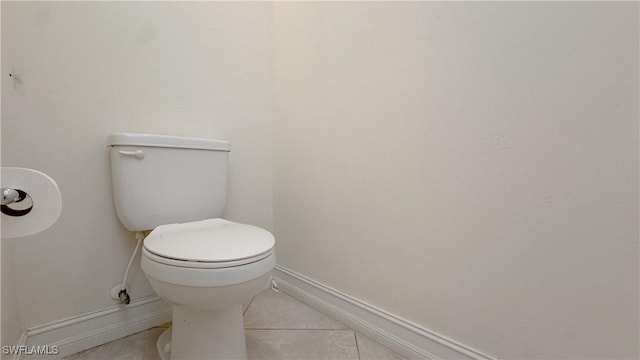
(212, 240)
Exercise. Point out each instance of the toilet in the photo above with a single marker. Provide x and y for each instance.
(207, 267)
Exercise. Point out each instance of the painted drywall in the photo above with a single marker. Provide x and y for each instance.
(11, 325)
(89, 69)
(9, 321)
(470, 167)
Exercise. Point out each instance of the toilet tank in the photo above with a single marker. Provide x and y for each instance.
(160, 179)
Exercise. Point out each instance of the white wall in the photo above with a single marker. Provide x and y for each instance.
(470, 167)
(11, 325)
(89, 69)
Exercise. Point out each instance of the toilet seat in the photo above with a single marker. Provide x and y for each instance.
(209, 244)
(205, 277)
(208, 253)
(202, 264)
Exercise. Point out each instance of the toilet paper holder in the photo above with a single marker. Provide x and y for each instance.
(14, 196)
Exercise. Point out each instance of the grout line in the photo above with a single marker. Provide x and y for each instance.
(357, 346)
(250, 302)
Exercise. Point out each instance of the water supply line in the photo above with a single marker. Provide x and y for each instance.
(123, 295)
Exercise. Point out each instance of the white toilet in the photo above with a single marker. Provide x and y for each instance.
(205, 266)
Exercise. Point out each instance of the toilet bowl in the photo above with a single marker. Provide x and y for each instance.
(207, 270)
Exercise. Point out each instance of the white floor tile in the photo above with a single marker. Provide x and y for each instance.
(140, 346)
(301, 344)
(277, 310)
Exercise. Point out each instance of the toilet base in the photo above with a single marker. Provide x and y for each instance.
(204, 334)
(163, 345)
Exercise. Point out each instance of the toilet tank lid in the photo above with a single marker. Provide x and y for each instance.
(134, 139)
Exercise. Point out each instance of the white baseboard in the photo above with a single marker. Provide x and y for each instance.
(401, 336)
(89, 330)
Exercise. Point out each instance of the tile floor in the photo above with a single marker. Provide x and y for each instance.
(277, 327)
